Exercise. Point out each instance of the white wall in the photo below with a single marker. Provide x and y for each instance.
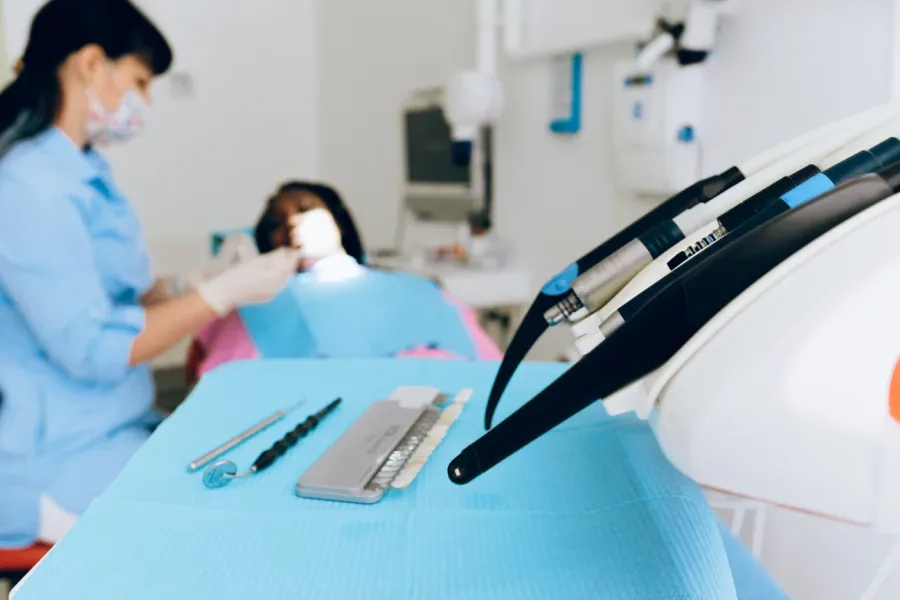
(782, 67)
(372, 55)
(233, 143)
(210, 160)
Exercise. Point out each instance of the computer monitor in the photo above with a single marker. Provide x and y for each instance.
(437, 187)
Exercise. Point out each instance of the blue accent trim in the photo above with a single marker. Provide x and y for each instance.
(686, 134)
(217, 237)
(639, 80)
(809, 189)
(461, 153)
(561, 282)
(572, 124)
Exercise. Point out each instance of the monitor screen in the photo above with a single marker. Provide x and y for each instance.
(428, 149)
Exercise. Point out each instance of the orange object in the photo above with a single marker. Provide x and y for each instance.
(894, 393)
(21, 559)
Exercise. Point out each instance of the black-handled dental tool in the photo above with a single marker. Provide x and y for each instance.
(684, 302)
(221, 473)
(534, 324)
(603, 271)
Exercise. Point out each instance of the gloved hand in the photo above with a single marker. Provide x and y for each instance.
(235, 248)
(253, 281)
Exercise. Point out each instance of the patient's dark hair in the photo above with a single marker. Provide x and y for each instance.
(268, 222)
(31, 103)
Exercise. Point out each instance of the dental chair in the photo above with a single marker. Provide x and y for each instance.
(433, 324)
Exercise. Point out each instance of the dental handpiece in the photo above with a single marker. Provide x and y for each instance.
(239, 439)
(594, 287)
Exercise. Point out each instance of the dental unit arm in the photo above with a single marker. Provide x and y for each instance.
(592, 290)
(591, 331)
(682, 304)
(473, 98)
(710, 233)
(621, 257)
(691, 38)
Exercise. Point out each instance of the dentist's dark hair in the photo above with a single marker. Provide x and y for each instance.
(32, 102)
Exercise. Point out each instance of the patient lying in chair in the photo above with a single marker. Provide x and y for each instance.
(336, 306)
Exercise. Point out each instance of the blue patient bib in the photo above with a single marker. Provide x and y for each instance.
(368, 315)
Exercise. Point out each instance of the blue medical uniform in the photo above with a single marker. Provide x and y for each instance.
(73, 265)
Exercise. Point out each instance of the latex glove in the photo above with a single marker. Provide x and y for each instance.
(253, 281)
(234, 249)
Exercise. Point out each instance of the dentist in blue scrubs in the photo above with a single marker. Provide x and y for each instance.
(80, 312)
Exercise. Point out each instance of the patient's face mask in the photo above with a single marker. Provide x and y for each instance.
(107, 125)
(316, 234)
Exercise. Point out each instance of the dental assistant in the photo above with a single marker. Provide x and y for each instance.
(80, 312)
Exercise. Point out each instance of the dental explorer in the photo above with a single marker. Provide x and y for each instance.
(220, 473)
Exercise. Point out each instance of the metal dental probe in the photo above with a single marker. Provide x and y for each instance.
(240, 438)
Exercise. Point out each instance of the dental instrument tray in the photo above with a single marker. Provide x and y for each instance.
(384, 448)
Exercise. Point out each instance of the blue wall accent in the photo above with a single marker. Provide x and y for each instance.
(572, 124)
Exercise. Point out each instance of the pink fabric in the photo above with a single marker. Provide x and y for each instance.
(484, 345)
(426, 352)
(226, 340)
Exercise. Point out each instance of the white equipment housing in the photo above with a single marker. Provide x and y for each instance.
(791, 394)
(657, 119)
(472, 99)
(658, 107)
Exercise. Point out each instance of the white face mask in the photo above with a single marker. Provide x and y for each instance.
(317, 234)
(106, 126)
